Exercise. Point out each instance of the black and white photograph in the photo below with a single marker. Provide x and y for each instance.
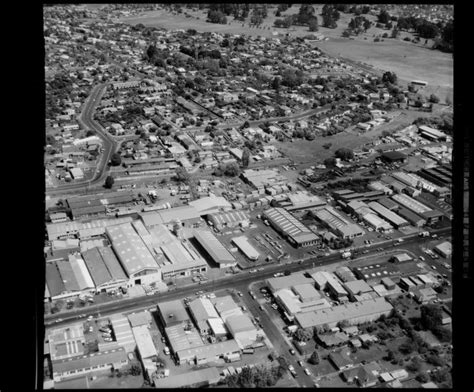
(251, 195)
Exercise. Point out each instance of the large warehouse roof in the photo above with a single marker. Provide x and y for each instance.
(203, 309)
(97, 267)
(347, 312)
(214, 247)
(229, 218)
(246, 247)
(289, 225)
(182, 213)
(67, 275)
(337, 222)
(113, 266)
(239, 323)
(411, 204)
(81, 272)
(145, 344)
(283, 282)
(130, 249)
(183, 340)
(192, 378)
(387, 214)
(53, 280)
(207, 205)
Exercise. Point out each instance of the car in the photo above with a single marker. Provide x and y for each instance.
(163, 340)
(434, 267)
(422, 258)
(300, 362)
(290, 367)
(90, 318)
(261, 269)
(243, 308)
(307, 371)
(261, 308)
(239, 293)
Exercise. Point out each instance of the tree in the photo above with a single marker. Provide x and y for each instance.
(389, 77)
(215, 16)
(135, 369)
(302, 335)
(115, 159)
(395, 32)
(314, 358)
(383, 17)
(313, 24)
(275, 84)
(344, 153)
(431, 316)
(434, 98)
(231, 169)
(182, 175)
(415, 365)
(330, 162)
(109, 182)
(245, 157)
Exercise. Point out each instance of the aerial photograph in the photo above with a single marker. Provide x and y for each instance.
(247, 196)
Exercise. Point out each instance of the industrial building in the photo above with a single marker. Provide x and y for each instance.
(145, 346)
(123, 332)
(86, 364)
(337, 223)
(182, 337)
(328, 281)
(81, 273)
(345, 274)
(202, 310)
(440, 175)
(246, 247)
(172, 313)
(226, 307)
(292, 303)
(348, 195)
(354, 312)
(411, 217)
(208, 353)
(393, 156)
(259, 179)
(90, 205)
(445, 249)
(242, 330)
(302, 200)
(61, 280)
(394, 219)
(136, 259)
(188, 216)
(290, 227)
(229, 219)
(364, 212)
(357, 288)
(431, 134)
(210, 205)
(214, 249)
(105, 269)
(418, 208)
(295, 279)
(66, 342)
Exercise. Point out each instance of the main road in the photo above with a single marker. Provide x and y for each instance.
(241, 280)
(110, 145)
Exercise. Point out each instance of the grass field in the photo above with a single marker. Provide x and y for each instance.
(407, 60)
(304, 151)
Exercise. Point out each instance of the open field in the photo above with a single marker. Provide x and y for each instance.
(304, 151)
(409, 61)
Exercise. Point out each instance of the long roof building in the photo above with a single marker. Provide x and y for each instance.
(296, 232)
(246, 247)
(338, 223)
(214, 248)
(103, 270)
(394, 219)
(130, 249)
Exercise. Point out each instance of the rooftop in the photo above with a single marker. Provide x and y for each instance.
(173, 312)
(213, 247)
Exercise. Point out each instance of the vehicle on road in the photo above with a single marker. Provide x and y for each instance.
(261, 308)
(166, 350)
(292, 352)
(300, 362)
(307, 371)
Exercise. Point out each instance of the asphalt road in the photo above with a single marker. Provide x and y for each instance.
(243, 279)
(109, 145)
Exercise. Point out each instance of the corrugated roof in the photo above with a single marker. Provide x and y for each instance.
(67, 275)
(81, 272)
(202, 309)
(246, 247)
(53, 280)
(145, 345)
(173, 312)
(214, 247)
(130, 249)
(97, 267)
(86, 361)
(239, 323)
(113, 265)
(195, 377)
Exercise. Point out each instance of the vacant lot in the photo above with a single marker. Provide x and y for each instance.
(304, 151)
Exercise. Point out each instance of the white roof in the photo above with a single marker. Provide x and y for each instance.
(145, 344)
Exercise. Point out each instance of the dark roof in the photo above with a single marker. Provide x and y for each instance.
(394, 155)
(339, 360)
(96, 266)
(54, 280)
(409, 215)
(84, 361)
(67, 275)
(113, 265)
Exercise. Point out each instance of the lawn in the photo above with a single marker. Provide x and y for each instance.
(304, 151)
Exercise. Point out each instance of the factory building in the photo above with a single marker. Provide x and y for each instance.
(226, 307)
(337, 223)
(353, 312)
(194, 379)
(213, 248)
(105, 269)
(242, 330)
(145, 346)
(418, 208)
(246, 247)
(411, 217)
(136, 259)
(187, 215)
(431, 134)
(208, 353)
(388, 215)
(172, 313)
(364, 212)
(302, 200)
(259, 179)
(229, 219)
(290, 227)
(202, 310)
(445, 249)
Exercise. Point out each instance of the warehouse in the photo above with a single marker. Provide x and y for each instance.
(412, 204)
(66, 342)
(345, 274)
(202, 310)
(411, 217)
(246, 247)
(295, 279)
(145, 346)
(378, 186)
(86, 364)
(173, 313)
(292, 304)
(242, 330)
(187, 215)
(217, 327)
(123, 332)
(210, 205)
(306, 292)
(445, 249)
(208, 353)
(261, 178)
(388, 215)
(81, 273)
(226, 307)
(104, 279)
(290, 227)
(214, 249)
(393, 156)
(229, 219)
(302, 200)
(388, 204)
(347, 195)
(376, 223)
(338, 223)
(134, 256)
(183, 337)
(431, 134)
(357, 288)
(353, 312)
